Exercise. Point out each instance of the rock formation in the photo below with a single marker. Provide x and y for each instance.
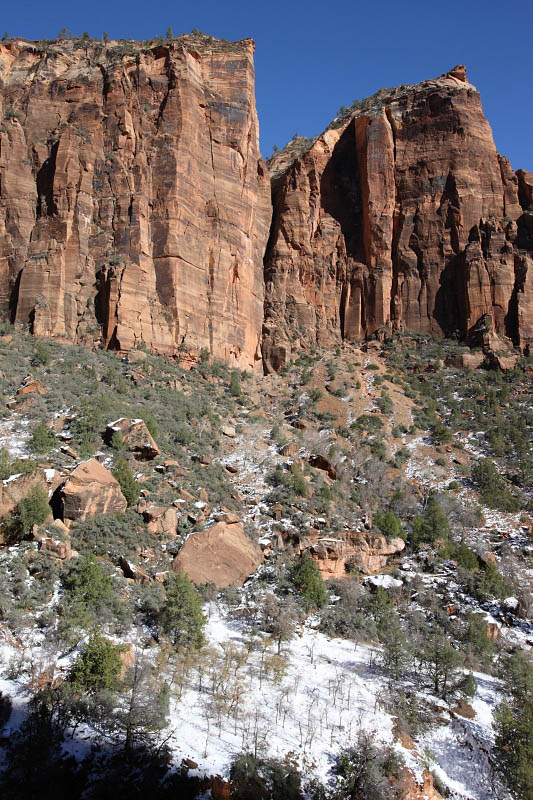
(222, 554)
(364, 551)
(400, 216)
(134, 203)
(90, 489)
(136, 437)
(135, 208)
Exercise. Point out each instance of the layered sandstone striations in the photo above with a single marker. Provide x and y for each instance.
(134, 203)
(400, 216)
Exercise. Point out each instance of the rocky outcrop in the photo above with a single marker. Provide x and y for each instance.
(89, 490)
(134, 203)
(400, 216)
(221, 554)
(136, 437)
(364, 551)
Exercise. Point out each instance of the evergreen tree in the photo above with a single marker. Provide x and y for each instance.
(33, 509)
(308, 582)
(128, 485)
(514, 727)
(41, 439)
(98, 667)
(181, 616)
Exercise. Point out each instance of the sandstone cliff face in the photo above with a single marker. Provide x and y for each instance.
(134, 204)
(402, 217)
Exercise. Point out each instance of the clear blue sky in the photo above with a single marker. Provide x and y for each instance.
(313, 57)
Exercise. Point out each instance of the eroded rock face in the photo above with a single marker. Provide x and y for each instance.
(134, 203)
(366, 551)
(221, 554)
(90, 490)
(403, 217)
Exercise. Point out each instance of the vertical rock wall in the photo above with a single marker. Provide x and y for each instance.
(403, 217)
(134, 203)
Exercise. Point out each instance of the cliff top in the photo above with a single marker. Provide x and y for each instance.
(122, 47)
(371, 106)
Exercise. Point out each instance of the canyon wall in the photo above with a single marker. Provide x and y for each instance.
(134, 203)
(400, 216)
(135, 208)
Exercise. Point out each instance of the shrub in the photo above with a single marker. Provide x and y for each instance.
(492, 489)
(363, 770)
(513, 725)
(128, 485)
(41, 355)
(181, 616)
(98, 666)
(308, 582)
(33, 509)
(235, 384)
(22, 466)
(389, 524)
(41, 439)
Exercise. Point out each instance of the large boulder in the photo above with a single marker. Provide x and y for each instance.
(15, 488)
(137, 437)
(90, 490)
(221, 554)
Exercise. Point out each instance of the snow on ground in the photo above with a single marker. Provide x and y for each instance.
(459, 752)
(330, 689)
(14, 435)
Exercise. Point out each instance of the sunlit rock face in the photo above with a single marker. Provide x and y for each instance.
(400, 216)
(134, 203)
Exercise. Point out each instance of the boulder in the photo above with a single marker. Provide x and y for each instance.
(133, 571)
(229, 431)
(90, 490)
(221, 554)
(15, 488)
(161, 519)
(56, 548)
(26, 393)
(136, 436)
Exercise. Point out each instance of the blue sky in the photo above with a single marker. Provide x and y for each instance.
(312, 57)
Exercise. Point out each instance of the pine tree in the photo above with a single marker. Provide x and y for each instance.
(308, 582)
(98, 667)
(128, 485)
(181, 616)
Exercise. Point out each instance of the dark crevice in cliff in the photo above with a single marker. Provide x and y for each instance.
(340, 190)
(46, 205)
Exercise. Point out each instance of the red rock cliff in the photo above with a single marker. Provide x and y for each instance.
(134, 203)
(400, 216)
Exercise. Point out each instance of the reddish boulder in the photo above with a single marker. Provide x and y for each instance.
(90, 490)
(222, 554)
(136, 436)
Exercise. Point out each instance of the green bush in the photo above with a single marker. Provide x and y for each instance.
(431, 525)
(33, 509)
(19, 466)
(41, 439)
(128, 485)
(389, 524)
(308, 582)
(98, 666)
(491, 487)
(181, 616)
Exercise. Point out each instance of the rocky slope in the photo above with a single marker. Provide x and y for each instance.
(400, 216)
(134, 203)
